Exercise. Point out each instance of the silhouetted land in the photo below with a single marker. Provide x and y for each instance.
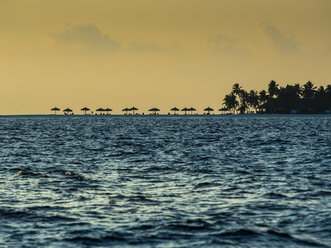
(291, 99)
(300, 99)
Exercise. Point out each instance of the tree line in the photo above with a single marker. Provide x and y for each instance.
(301, 99)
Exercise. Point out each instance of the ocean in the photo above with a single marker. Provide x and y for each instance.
(165, 181)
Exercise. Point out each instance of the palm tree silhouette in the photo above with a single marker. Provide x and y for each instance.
(289, 99)
(328, 94)
(253, 100)
(236, 89)
(298, 89)
(242, 108)
(55, 109)
(320, 101)
(230, 102)
(243, 97)
(273, 88)
(308, 90)
(263, 97)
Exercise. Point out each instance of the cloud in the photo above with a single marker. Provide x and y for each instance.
(328, 49)
(223, 44)
(137, 47)
(284, 42)
(86, 39)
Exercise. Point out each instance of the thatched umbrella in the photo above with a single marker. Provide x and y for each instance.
(208, 110)
(85, 109)
(191, 109)
(55, 109)
(154, 110)
(108, 110)
(100, 110)
(185, 110)
(126, 110)
(175, 110)
(223, 110)
(133, 109)
(67, 110)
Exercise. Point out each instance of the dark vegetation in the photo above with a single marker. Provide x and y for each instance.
(301, 99)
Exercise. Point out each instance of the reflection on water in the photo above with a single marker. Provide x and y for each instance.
(165, 181)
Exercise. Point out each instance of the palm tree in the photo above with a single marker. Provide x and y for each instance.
(287, 99)
(243, 97)
(273, 88)
(263, 97)
(242, 109)
(230, 102)
(320, 101)
(328, 89)
(328, 94)
(298, 89)
(236, 88)
(308, 90)
(253, 99)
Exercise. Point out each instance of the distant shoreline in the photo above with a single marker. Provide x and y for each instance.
(162, 115)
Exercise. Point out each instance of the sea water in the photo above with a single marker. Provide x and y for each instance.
(231, 181)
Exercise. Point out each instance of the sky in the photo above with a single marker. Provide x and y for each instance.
(155, 53)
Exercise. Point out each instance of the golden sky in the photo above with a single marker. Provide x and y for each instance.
(153, 53)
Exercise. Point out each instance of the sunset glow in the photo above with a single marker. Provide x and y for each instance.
(148, 53)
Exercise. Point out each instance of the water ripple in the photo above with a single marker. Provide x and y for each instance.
(250, 181)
